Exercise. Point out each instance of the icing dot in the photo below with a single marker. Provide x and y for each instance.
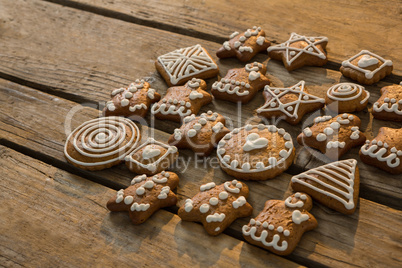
(258, 223)
(286, 233)
(204, 208)
(321, 137)
(252, 222)
(124, 102)
(128, 200)
(328, 131)
(273, 104)
(289, 108)
(213, 201)
(271, 227)
(223, 195)
(265, 224)
(305, 97)
(280, 229)
(128, 95)
(335, 125)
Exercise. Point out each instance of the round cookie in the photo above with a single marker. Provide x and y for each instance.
(256, 152)
(346, 98)
(151, 157)
(101, 143)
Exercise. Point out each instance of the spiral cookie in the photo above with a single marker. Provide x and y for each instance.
(256, 152)
(101, 143)
(347, 98)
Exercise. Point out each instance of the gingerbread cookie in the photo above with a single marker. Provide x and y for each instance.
(300, 51)
(335, 185)
(132, 101)
(145, 196)
(151, 157)
(216, 207)
(347, 98)
(182, 101)
(244, 46)
(384, 151)
(183, 64)
(290, 103)
(333, 136)
(281, 224)
(366, 67)
(241, 84)
(256, 152)
(200, 134)
(101, 143)
(389, 105)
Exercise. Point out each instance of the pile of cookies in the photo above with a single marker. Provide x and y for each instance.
(251, 152)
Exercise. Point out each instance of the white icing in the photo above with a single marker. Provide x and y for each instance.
(177, 134)
(245, 48)
(140, 190)
(207, 186)
(241, 201)
(375, 151)
(368, 74)
(234, 190)
(151, 93)
(149, 184)
(222, 86)
(113, 145)
(186, 62)
(164, 192)
(253, 75)
(217, 217)
(137, 107)
(347, 92)
(204, 208)
(293, 53)
(389, 105)
(195, 95)
(335, 144)
(298, 217)
(307, 131)
(171, 109)
(139, 207)
(260, 40)
(321, 137)
(367, 61)
(128, 200)
(298, 204)
(188, 206)
(153, 165)
(218, 127)
(191, 133)
(254, 141)
(138, 179)
(275, 104)
(251, 231)
(223, 195)
(341, 173)
(226, 45)
(213, 201)
(233, 35)
(150, 152)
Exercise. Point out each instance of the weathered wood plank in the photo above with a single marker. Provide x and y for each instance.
(314, 249)
(350, 26)
(46, 209)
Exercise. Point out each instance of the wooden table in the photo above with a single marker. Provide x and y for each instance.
(59, 60)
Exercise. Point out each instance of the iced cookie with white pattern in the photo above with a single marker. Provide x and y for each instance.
(241, 84)
(216, 207)
(201, 133)
(281, 224)
(389, 105)
(384, 151)
(182, 101)
(244, 46)
(256, 152)
(151, 157)
(145, 196)
(184, 64)
(346, 98)
(333, 136)
(366, 67)
(134, 100)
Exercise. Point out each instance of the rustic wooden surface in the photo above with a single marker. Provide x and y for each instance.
(80, 50)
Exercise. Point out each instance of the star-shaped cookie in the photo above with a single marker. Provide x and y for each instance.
(216, 207)
(281, 224)
(291, 103)
(200, 134)
(389, 105)
(132, 101)
(145, 196)
(241, 84)
(244, 46)
(182, 101)
(366, 67)
(384, 151)
(300, 51)
(333, 136)
(183, 64)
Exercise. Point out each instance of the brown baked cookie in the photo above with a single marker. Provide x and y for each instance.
(182, 101)
(241, 84)
(300, 51)
(101, 143)
(256, 152)
(346, 98)
(216, 207)
(290, 103)
(333, 136)
(181, 65)
(132, 101)
(384, 151)
(281, 224)
(335, 185)
(366, 67)
(145, 196)
(200, 134)
(244, 46)
(151, 157)
(389, 105)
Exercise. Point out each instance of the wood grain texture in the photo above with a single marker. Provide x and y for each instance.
(339, 239)
(350, 26)
(51, 218)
